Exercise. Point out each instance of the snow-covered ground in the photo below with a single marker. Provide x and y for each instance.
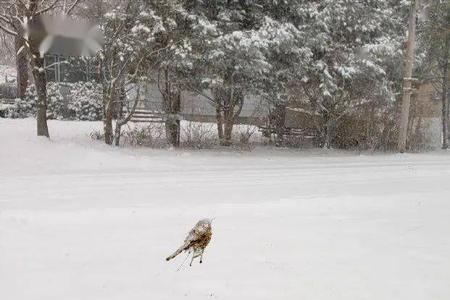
(79, 220)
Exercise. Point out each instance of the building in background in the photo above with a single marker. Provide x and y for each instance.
(62, 69)
(193, 107)
(426, 115)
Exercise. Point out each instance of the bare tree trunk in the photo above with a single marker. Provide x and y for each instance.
(118, 128)
(228, 132)
(108, 128)
(228, 98)
(125, 119)
(172, 132)
(445, 104)
(176, 124)
(172, 107)
(327, 128)
(119, 113)
(172, 124)
(108, 118)
(330, 133)
(370, 139)
(228, 126)
(117, 133)
(21, 60)
(327, 137)
(219, 121)
(40, 81)
(21, 67)
(407, 78)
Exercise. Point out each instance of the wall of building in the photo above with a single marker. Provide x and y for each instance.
(426, 111)
(198, 108)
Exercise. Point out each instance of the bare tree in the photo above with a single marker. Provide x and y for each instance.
(8, 57)
(171, 95)
(229, 101)
(120, 54)
(21, 66)
(124, 117)
(16, 17)
(130, 31)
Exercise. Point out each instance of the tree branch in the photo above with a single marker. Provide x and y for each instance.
(74, 4)
(8, 31)
(133, 109)
(46, 9)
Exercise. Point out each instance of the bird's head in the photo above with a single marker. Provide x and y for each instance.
(208, 220)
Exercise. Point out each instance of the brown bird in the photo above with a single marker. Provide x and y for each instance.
(196, 241)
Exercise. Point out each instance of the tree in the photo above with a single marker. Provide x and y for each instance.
(340, 49)
(6, 49)
(21, 63)
(16, 17)
(227, 51)
(435, 37)
(168, 61)
(10, 54)
(133, 38)
(407, 78)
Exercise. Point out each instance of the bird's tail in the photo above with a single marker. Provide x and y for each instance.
(179, 250)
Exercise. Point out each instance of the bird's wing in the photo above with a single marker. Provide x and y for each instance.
(192, 236)
(195, 234)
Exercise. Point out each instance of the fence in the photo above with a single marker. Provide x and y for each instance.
(8, 90)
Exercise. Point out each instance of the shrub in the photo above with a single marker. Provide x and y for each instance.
(152, 135)
(97, 135)
(56, 106)
(24, 108)
(86, 101)
(198, 135)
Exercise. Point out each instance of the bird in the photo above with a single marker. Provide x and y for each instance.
(196, 241)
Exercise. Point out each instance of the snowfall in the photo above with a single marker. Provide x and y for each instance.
(81, 220)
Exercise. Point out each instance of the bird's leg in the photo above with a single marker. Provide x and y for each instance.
(192, 259)
(201, 255)
(196, 254)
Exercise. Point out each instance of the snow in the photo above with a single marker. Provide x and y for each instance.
(4, 107)
(80, 220)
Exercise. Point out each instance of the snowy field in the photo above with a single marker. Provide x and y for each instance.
(79, 220)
